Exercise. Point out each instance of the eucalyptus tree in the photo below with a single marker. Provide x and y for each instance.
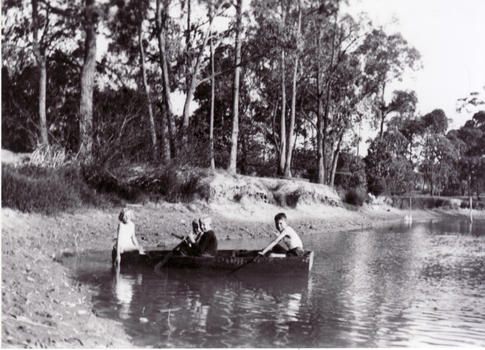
(40, 54)
(412, 127)
(91, 13)
(296, 54)
(196, 44)
(338, 87)
(213, 97)
(128, 38)
(277, 43)
(403, 103)
(438, 152)
(385, 59)
(31, 31)
(161, 21)
(387, 169)
(235, 103)
(276, 39)
(472, 160)
(267, 41)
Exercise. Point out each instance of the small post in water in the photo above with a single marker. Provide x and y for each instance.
(471, 209)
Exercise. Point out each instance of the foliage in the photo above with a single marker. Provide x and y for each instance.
(172, 184)
(387, 169)
(342, 66)
(46, 190)
(469, 141)
(351, 172)
(46, 155)
(287, 199)
(122, 127)
(354, 197)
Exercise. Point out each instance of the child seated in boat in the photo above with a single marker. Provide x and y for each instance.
(207, 245)
(202, 241)
(288, 235)
(189, 244)
(125, 239)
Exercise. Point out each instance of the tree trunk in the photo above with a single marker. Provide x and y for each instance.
(327, 103)
(320, 129)
(87, 84)
(282, 150)
(42, 100)
(381, 111)
(324, 133)
(41, 62)
(161, 14)
(213, 96)
(149, 100)
(235, 102)
(335, 162)
(192, 82)
(189, 74)
(291, 131)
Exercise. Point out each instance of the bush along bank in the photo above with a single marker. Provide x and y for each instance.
(428, 202)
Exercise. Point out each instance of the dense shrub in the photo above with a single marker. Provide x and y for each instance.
(45, 190)
(287, 199)
(105, 182)
(354, 197)
(375, 186)
(170, 184)
(350, 172)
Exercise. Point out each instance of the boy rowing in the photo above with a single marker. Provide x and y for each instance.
(288, 235)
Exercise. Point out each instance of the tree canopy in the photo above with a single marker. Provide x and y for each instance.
(270, 88)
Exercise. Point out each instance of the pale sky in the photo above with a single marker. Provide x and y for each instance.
(450, 35)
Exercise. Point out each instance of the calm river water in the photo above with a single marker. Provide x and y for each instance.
(406, 285)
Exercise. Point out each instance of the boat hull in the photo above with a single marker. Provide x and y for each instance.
(225, 260)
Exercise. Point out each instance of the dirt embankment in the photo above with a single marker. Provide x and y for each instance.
(44, 306)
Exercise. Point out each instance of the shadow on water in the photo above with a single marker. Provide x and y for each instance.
(417, 284)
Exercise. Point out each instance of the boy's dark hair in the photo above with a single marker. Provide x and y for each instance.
(280, 216)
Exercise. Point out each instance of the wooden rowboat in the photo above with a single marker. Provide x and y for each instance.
(225, 260)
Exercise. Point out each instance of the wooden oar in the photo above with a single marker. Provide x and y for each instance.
(168, 256)
(243, 265)
(177, 236)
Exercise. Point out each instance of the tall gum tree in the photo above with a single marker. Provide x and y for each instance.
(386, 58)
(196, 59)
(40, 55)
(282, 148)
(128, 36)
(161, 16)
(291, 130)
(36, 28)
(90, 21)
(235, 105)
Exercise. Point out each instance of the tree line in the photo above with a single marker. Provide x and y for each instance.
(278, 87)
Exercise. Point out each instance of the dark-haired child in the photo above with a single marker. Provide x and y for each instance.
(288, 235)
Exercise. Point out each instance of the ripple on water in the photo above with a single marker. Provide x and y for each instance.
(406, 286)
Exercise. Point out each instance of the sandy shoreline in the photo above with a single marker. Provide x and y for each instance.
(44, 306)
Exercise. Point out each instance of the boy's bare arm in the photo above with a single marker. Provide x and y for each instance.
(272, 244)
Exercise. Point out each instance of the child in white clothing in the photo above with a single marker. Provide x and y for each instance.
(125, 240)
(288, 235)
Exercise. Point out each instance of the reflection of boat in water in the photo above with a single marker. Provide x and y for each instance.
(225, 260)
(279, 283)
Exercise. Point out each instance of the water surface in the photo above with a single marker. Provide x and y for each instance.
(406, 285)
